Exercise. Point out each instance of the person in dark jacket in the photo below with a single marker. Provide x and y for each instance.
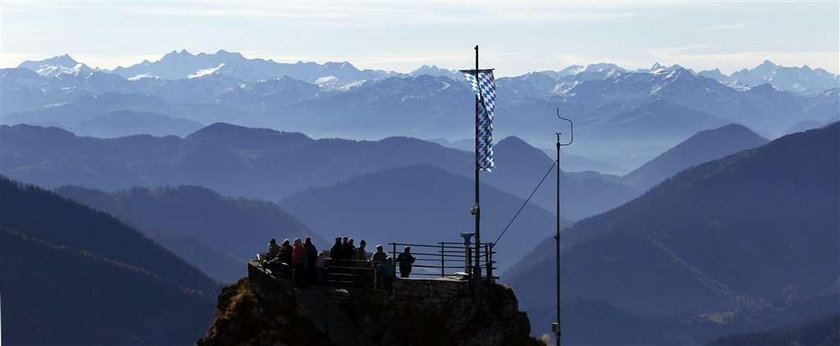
(286, 252)
(345, 242)
(379, 256)
(405, 260)
(335, 251)
(273, 250)
(347, 250)
(298, 254)
(359, 254)
(387, 273)
(311, 256)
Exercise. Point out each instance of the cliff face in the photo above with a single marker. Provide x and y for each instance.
(267, 311)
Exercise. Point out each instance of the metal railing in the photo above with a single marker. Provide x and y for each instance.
(351, 272)
(447, 258)
(444, 259)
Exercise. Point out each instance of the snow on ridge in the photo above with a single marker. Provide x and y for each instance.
(56, 70)
(205, 72)
(326, 80)
(331, 83)
(142, 76)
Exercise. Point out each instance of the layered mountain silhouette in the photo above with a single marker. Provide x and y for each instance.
(126, 123)
(419, 204)
(263, 163)
(521, 167)
(217, 234)
(729, 234)
(632, 110)
(821, 331)
(702, 147)
(73, 275)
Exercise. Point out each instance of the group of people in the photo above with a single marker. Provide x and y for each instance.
(301, 261)
(297, 258)
(345, 250)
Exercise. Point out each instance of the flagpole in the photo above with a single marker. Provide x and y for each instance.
(477, 208)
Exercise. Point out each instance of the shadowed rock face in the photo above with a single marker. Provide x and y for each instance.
(263, 311)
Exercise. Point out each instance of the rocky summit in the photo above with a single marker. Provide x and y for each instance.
(267, 310)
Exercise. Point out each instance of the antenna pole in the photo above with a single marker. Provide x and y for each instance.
(557, 240)
(555, 327)
(476, 207)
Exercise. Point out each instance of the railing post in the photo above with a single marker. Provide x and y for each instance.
(394, 254)
(488, 248)
(468, 252)
(442, 265)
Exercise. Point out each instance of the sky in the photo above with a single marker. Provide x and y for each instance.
(514, 37)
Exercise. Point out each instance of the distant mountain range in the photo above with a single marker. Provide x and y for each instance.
(73, 275)
(217, 234)
(733, 234)
(419, 204)
(521, 167)
(185, 65)
(803, 80)
(268, 164)
(705, 146)
(635, 110)
(126, 123)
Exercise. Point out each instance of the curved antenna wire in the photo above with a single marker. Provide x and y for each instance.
(571, 126)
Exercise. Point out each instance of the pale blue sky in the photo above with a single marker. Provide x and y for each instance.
(516, 37)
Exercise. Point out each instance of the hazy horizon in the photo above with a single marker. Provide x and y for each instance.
(515, 39)
(558, 68)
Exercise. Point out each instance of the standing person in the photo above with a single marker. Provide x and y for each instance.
(335, 251)
(359, 253)
(273, 250)
(359, 259)
(297, 258)
(345, 243)
(378, 260)
(379, 256)
(286, 252)
(388, 273)
(311, 257)
(405, 260)
(347, 251)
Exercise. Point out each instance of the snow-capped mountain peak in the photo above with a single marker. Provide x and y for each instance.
(55, 66)
(602, 67)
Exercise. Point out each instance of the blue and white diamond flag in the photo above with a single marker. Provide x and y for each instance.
(485, 90)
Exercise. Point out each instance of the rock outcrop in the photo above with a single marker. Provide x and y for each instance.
(264, 310)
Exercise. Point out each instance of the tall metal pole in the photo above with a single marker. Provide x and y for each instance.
(477, 208)
(557, 240)
(556, 326)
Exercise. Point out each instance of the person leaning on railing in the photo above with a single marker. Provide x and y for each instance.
(384, 275)
(405, 260)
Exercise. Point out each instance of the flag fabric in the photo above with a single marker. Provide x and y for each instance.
(485, 89)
